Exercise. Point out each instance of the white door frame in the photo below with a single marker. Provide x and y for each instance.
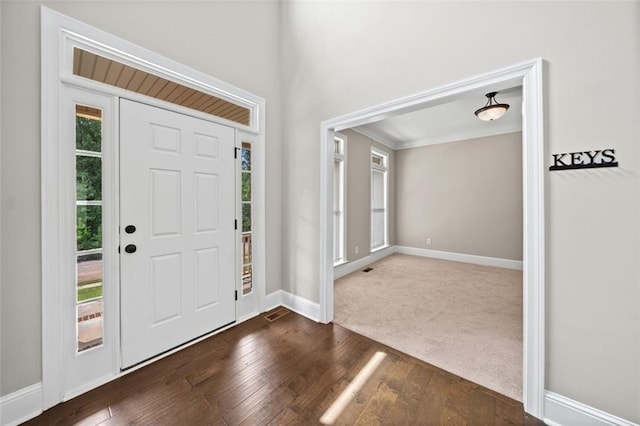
(529, 74)
(59, 35)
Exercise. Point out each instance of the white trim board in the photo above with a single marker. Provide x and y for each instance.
(530, 75)
(562, 411)
(349, 267)
(297, 304)
(461, 257)
(21, 405)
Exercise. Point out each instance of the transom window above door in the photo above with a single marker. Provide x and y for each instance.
(108, 71)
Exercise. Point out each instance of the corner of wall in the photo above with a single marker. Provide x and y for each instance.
(295, 303)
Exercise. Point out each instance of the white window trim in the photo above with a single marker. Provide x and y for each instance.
(384, 168)
(343, 157)
(530, 75)
(59, 35)
(253, 303)
(99, 362)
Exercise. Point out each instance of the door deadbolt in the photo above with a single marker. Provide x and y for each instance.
(131, 248)
(130, 229)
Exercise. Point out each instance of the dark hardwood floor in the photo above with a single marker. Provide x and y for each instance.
(289, 371)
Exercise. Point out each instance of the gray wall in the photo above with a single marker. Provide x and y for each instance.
(237, 42)
(466, 196)
(376, 52)
(358, 195)
(379, 51)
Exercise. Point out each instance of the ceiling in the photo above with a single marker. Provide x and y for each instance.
(447, 122)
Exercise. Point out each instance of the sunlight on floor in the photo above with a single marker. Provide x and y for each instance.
(330, 416)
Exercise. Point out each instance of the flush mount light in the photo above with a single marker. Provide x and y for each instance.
(492, 110)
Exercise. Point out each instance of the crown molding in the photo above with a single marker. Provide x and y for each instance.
(457, 138)
(376, 137)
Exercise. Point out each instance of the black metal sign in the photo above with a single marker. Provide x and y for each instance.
(584, 160)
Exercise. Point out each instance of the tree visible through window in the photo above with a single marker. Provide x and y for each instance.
(247, 230)
(89, 260)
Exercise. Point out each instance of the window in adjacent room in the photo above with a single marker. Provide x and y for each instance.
(339, 185)
(379, 200)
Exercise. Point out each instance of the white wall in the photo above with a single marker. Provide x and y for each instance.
(465, 196)
(339, 57)
(236, 42)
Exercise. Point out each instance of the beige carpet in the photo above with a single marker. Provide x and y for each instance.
(463, 318)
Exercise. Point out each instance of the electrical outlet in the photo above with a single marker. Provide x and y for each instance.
(357, 249)
(428, 241)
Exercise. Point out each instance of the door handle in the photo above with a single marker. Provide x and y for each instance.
(131, 248)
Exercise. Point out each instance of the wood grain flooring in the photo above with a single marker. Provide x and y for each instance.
(289, 371)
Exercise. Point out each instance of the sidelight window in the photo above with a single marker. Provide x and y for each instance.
(89, 255)
(247, 229)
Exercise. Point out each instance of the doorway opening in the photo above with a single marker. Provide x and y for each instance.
(448, 290)
(529, 75)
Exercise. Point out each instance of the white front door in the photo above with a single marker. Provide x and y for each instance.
(177, 236)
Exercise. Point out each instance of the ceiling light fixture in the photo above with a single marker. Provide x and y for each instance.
(492, 110)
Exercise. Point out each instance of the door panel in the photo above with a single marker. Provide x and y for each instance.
(177, 180)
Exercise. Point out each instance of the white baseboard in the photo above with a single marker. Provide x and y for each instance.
(461, 257)
(562, 411)
(295, 303)
(21, 405)
(349, 267)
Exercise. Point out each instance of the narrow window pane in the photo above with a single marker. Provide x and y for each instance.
(337, 185)
(377, 228)
(377, 190)
(89, 265)
(89, 276)
(246, 156)
(90, 324)
(89, 227)
(246, 217)
(338, 206)
(246, 186)
(379, 213)
(247, 237)
(88, 178)
(337, 237)
(246, 249)
(247, 279)
(88, 131)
